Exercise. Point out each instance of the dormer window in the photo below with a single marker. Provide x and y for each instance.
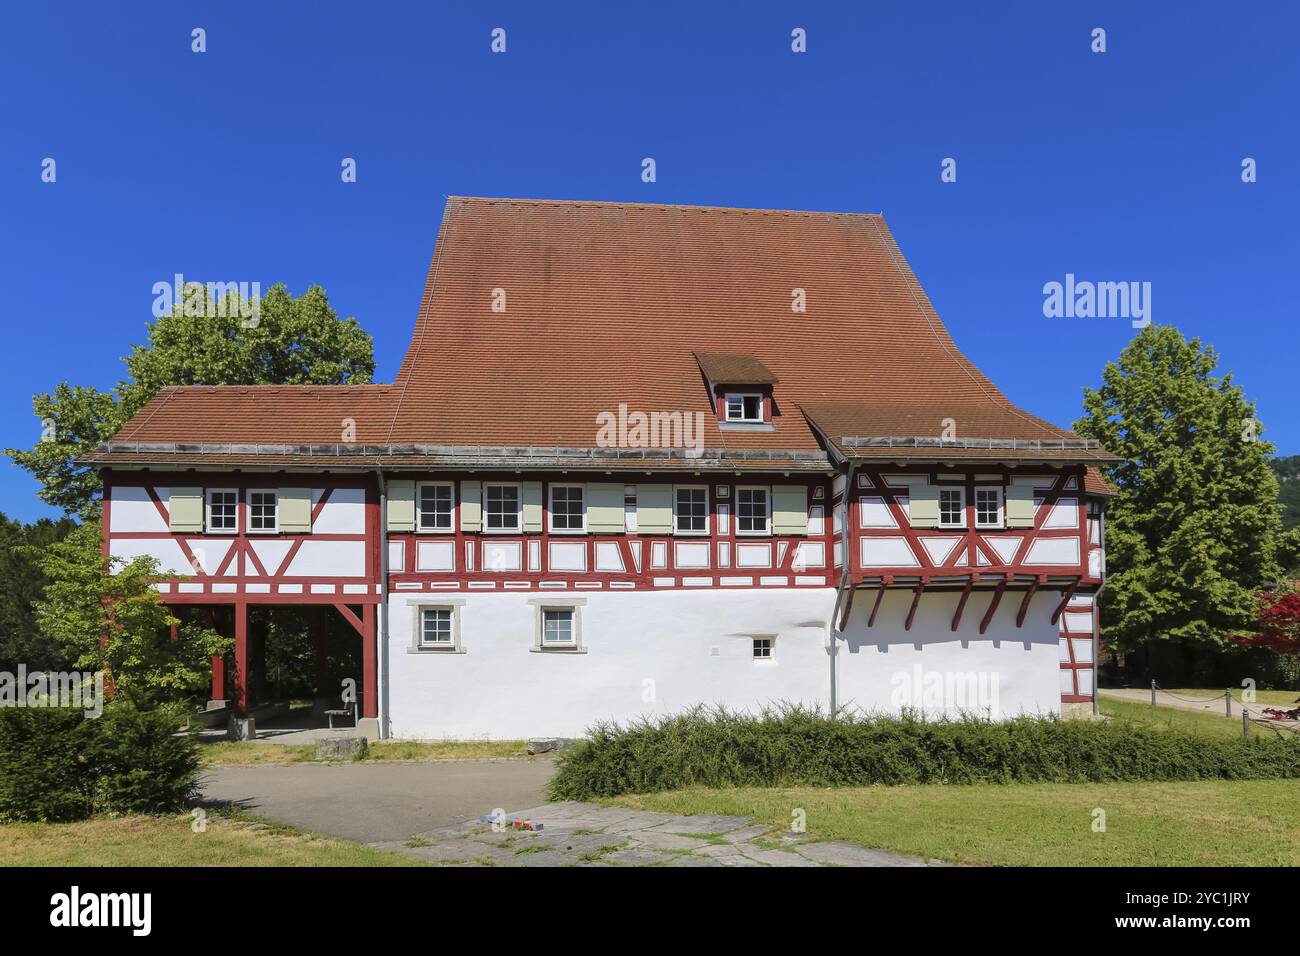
(744, 407)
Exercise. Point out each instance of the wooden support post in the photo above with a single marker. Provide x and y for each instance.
(993, 606)
(243, 662)
(848, 606)
(369, 663)
(880, 596)
(961, 605)
(916, 599)
(1069, 593)
(1024, 604)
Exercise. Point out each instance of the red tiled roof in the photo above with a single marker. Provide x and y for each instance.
(605, 305)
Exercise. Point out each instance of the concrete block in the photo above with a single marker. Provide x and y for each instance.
(241, 728)
(341, 748)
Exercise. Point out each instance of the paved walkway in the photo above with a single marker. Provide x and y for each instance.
(371, 802)
(583, 834)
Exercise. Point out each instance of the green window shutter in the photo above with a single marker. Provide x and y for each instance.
(1020, 506)
(471, 506)
(923, 503)
(654, 509)
(294, 509)
(789, 509)
(532, 491)
(605, 507)
(401, 505)
(185, 509)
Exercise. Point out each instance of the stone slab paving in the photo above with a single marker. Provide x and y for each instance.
(583, 834)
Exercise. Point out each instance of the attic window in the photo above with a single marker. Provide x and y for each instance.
(744, 407)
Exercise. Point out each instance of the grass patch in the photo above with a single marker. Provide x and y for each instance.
(230, 840)
(1209, 823)
(1265, 698)
(1177, 719)
(247, 753)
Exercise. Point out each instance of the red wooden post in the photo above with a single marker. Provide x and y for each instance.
(243, 663)
(369, 663)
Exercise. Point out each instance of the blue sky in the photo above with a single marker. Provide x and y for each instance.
(225, 165)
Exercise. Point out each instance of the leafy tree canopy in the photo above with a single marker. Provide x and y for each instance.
(21, 584)
(1195, 530)
(288, 340)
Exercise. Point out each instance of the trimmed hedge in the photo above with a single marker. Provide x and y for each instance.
(57, 765)
(797, 747)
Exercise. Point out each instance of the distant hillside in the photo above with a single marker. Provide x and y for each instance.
(1287, 469)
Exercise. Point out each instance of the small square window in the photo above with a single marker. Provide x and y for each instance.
(437, 507)
(952, 507)
(567, 513)
(436, 627)
(988, 507)
(752, 511)
(744, 408)
(558, 627)
(763, 648)
(501, 508)
(261, 511)
(691, 514)
(223, 510)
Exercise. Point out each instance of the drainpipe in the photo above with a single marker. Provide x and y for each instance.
(381, 659)
(1096, 613)
(844, 584)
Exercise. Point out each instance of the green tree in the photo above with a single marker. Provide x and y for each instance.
(288, 341)
(21, 585)
(110, 618)
(1195, 529)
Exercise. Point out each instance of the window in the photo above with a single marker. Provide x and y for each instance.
(952, 507)
(501, 508)
(222, 510)
(437, 507)
(988, 507)
(763, 648)
(436, 627)
(691, 514)
(558, 627)
(567, 512)
(752, 512)
(744, 408)
(261, 511)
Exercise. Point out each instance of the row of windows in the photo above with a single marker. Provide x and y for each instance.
(223, 510)
(568, 512)
(558, 629)
(988, 507)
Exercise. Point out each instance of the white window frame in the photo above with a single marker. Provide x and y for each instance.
(707, 511)
(771, 648)
(519, 514)
(961, 511)
(419, 512)
(207, 512)
(418, 607)
(767, 525)
(248, 501)
(572, 605)
(742, 420)
(1000, 520)
(550, 508)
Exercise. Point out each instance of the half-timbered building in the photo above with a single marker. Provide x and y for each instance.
(639, 458)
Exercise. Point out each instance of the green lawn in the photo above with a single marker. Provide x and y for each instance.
(1217, 823)
(1175, 718)
(226, 754)
(170, 841)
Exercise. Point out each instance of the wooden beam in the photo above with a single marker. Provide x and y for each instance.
(352, 619)
(916, 599)
(848, 606)
(1069, 593)
(993, 606)
(1024, 604)
(880, 596)
(961, 605)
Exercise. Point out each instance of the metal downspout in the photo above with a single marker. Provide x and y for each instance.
(1096, 614)
(381, 659)
(843, 586)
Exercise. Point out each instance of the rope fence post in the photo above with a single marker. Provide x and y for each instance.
(1245, 722)
(1153, 692)
(1227, 700)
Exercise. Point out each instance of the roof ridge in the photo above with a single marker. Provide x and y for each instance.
(519, 201)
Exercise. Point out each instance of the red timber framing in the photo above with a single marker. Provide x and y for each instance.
(966, 553)
(1078, 628)
(649, 561)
